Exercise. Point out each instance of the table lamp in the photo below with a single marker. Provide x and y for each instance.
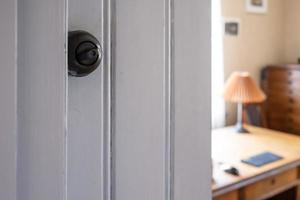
(240, 88)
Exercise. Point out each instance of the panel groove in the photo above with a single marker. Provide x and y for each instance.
(106, 95)
(169, 98)
(113, 96)
(66, 18)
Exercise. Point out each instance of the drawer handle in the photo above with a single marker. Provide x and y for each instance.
(291, 100)
(290, 82)
(273, 181)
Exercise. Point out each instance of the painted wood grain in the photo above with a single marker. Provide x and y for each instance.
(192, 100)
(89, 110)
(139, 100)
(8, 106)
(41, 99)
(158, 90)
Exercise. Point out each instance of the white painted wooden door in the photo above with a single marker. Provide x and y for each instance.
(139, 126)
(8, 86)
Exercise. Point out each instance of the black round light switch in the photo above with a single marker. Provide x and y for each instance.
(84, 53)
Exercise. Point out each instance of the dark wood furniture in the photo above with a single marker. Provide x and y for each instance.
(282, 107)
(255, 115)
(277, 180)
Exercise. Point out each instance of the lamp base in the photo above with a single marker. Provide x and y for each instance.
(240, 128)
(240, 119)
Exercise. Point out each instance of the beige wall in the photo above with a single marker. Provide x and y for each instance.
(291, 31)
(259, 43)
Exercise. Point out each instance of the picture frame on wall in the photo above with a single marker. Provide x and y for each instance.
(231, 27)
(257, 6)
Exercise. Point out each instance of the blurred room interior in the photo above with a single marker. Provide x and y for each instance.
(255, 99)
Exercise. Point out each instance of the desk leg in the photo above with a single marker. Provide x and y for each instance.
(298, 192)
(298, 187)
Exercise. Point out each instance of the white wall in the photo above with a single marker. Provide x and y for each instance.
(8, 86)
(291, 31)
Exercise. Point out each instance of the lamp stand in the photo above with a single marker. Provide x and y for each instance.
(240, 119)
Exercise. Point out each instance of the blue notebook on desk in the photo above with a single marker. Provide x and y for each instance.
(262, 159)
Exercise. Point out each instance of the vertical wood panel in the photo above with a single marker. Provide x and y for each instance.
(149, 106)
(41, 99)
(89, 109)
(169, 98)
(139, 100)
(108, 11)
(8, 106)
(192, 100)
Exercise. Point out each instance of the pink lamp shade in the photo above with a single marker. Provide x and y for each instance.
(240, 88)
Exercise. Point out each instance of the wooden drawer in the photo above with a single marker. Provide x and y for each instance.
(284, 128)
(285, 122)
(282, 74)
(285, 118)
(272, 185)
(229, 196)
(281, 85)
(283, 109)
(290, 92)
(283, 101)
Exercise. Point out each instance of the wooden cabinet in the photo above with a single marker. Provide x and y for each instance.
(282, 87)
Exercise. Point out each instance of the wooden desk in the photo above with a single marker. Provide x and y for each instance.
(255, 183)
